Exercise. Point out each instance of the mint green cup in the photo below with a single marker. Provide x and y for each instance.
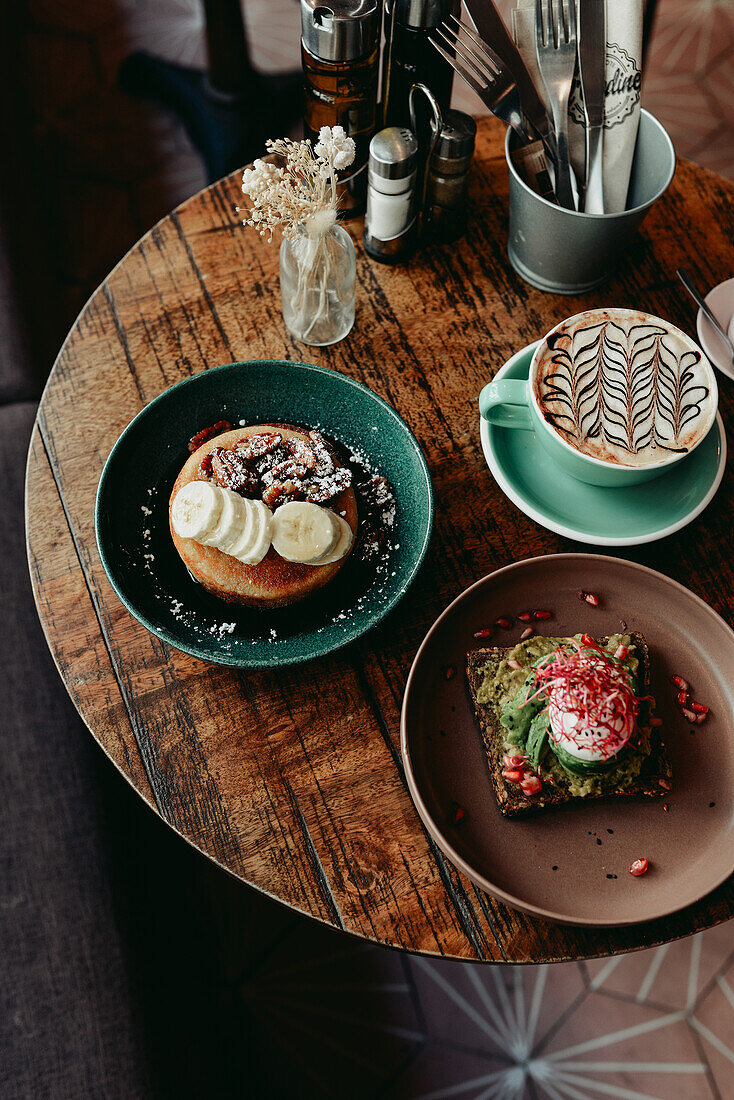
(513, 403)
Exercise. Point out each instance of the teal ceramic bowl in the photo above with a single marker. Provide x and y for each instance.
(137, 552)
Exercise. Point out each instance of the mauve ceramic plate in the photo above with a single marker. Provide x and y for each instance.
(562, 864)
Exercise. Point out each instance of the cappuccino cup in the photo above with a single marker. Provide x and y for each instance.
(615, 396)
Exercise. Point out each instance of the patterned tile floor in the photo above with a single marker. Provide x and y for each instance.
(655, 1024)
(322, 1015)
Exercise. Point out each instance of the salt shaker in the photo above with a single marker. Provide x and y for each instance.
(448, 175)
(390, 224)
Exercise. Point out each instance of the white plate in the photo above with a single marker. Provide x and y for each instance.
(720, 301)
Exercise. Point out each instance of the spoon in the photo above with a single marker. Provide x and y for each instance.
(700, 302)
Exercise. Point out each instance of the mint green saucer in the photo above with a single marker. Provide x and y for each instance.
(602, 517)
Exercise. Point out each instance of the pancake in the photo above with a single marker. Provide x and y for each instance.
(273, 582)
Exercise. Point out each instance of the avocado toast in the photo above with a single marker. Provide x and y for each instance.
(532, 762)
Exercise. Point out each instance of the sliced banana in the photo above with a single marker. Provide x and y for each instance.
(196, 510)
(304, 532)
(229, 522)
(343, 544)
(262, 534)
(246, 538)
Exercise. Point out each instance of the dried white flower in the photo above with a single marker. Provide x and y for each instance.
(335, 147)
(301, 189)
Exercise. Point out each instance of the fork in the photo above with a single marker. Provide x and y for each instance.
(485, 72)
(555, 48)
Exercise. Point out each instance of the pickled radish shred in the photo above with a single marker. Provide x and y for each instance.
(593, 691)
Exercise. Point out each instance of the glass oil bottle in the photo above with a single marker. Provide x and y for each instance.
(340, 45)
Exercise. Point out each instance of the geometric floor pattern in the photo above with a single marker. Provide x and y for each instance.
(652, 1025)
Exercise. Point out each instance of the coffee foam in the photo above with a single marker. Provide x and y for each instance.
(624, 387)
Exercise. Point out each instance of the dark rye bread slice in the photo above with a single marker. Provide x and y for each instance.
(510, 799)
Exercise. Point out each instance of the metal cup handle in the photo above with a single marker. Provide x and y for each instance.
(505, 403)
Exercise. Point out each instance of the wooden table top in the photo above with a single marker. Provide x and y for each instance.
(292, 780)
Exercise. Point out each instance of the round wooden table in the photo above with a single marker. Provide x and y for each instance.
(292, 780)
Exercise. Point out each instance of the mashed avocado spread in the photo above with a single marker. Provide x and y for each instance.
(504, 689)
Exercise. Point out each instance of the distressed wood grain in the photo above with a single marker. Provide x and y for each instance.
(292, 780)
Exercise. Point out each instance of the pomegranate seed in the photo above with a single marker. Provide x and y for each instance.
(656, 721)
(513, 664)
(586, 639)
(542, 614)
(664, 783)
(591, 598)
(681, 684)
(527, 633)
(701, 718)
(513, 761)
(525, 616)
(483, 633)
(458, 813)
(699, 708)
(689, 715)
(682, 698)
(530, 785)
(512, 775)
(621, 652)
(449, 672)
(505, 624)
(638, 867)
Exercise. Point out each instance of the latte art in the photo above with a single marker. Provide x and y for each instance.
(624, 387)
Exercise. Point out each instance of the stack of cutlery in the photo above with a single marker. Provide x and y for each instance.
(555, 71)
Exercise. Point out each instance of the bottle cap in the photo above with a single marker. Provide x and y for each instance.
(393, 153)
(420, 14)
(457, 136)
(340, 30)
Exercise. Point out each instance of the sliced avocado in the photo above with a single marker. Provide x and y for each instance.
(517, 715)
(537, 741)
(582, 767)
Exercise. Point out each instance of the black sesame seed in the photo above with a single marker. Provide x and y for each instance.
(610, 831)
(554, 867)
(598, 840)
(711, 804)
(611, 876)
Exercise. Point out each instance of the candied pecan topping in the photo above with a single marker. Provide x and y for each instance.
(282, 471)
(231, 471)
(208, 433)
(320, 489)
(302, 453)
(277, 470)
(255, 446)
(324, 462)
(280, 492)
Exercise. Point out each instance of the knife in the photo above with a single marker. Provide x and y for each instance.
(592, 50)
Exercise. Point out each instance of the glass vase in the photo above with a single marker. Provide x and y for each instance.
(317, 284)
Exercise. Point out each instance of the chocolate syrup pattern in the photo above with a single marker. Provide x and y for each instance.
(630, 388)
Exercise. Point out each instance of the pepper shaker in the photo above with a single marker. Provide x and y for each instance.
(448, 177)
(389, 228)
(340, 47)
